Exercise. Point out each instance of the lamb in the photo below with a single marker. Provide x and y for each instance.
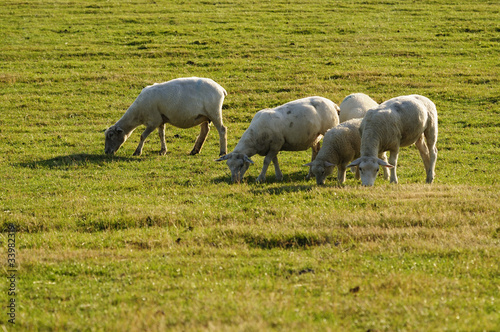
(182, 102)
(294, 126)
(396, 123)
(355, 106)
(341, 145)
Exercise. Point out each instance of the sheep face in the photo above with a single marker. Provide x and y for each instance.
(368, 169)
(321, 170)
(238, 164)
(115, 137)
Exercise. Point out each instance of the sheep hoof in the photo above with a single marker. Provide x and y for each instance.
(137, 153)
(163, 152)
(193, 152)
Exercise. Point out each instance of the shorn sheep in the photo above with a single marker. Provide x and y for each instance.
(355, 106)
(396, 123)
(294, 126)
(341, 145)
(182, 102)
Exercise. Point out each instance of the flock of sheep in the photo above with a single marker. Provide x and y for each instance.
(366, 130)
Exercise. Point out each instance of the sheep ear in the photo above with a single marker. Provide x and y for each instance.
(355, 163)
(248, 160)
(308, 164)
(329, 164)
(119, 130)
(383, 163)
(224, 157)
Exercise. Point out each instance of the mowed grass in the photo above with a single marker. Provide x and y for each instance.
(167, 243)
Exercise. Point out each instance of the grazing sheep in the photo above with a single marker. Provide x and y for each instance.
(341, 145)
(182, 102)
(355, 106)
(294, 126)
(396, 123)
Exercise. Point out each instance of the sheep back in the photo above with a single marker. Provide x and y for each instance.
(182, 100)
(341, 143)
(399, 121)
(294, 126)
(355, 106)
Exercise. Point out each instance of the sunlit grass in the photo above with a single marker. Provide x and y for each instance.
(167, 243)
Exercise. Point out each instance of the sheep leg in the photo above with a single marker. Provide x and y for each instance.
(267, 160)
(432, 164)
(315, 149)
(431, 137)
(222, 130)
(277, 170)
(393, 160)
(341, 170)
(161, 133)
(144, 135)
(383, 156)
(424, 151)
(205, 128)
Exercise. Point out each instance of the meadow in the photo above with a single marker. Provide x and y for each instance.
(124, 243)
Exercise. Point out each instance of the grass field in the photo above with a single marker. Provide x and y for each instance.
(167, 243)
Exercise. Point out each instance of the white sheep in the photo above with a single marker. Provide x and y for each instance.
(396, 123)
(341, 145)
(182, 102)
(355, 106)
(294, 126)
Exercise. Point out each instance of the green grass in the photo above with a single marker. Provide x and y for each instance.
(167, 243)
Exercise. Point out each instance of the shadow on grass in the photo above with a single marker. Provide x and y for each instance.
(286, 241)
(272, 186)
(283, 239)
(72, 160)
(282, 189)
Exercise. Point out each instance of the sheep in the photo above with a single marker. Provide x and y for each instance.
(182, 102)
(355, 106)
(294, 126)
(341, 145)
(396, 123)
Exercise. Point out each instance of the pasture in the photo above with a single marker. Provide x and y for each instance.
(107, 243)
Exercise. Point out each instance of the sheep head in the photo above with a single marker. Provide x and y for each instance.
(238, 163)
(115, 137)
(321, 170)
(368, 168)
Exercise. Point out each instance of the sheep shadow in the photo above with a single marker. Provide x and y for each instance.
(282, 189)
(286, 185)
(75, 160)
